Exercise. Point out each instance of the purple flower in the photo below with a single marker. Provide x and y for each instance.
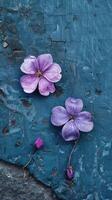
(41, 72)
(70, 173)
(39, 143)
(73, 119)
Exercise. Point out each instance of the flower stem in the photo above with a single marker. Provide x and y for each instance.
(29, 161)
(72, 151)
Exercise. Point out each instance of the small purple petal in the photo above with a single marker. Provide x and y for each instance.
(45, 87)
(45, 61)
(84, 115)
(39, 143)
(29, 83)
(84, 125)
(73, 106)
(52, 74)
(29, 65)
(70, 173)
(59, 116)
(83, 121)
(70, 131)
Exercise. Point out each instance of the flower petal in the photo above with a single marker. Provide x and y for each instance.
(73, 106)
(29, 83)
(84, 115)
(45, 61)
(52, 74)
(59, 116)
(28, 66)
(45, 87)
(70, 131)
(83, 121)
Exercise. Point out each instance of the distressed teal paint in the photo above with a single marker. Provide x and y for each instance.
(79, 36)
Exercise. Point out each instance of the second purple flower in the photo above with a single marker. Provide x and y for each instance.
(72, 118)
(42, 72)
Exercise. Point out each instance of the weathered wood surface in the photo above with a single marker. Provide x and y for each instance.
(78, 33)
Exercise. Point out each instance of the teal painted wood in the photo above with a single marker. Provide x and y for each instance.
(79, 36)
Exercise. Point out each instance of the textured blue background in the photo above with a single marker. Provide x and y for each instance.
(78, 33)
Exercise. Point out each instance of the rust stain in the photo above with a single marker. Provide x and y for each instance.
(98, 91)
(26, 103)
(13, 122)
(5, 130)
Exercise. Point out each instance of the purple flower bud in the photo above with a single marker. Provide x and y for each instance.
(39, 143)
(70, 173)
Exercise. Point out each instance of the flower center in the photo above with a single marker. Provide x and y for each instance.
(72, 117)
(38, 73)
